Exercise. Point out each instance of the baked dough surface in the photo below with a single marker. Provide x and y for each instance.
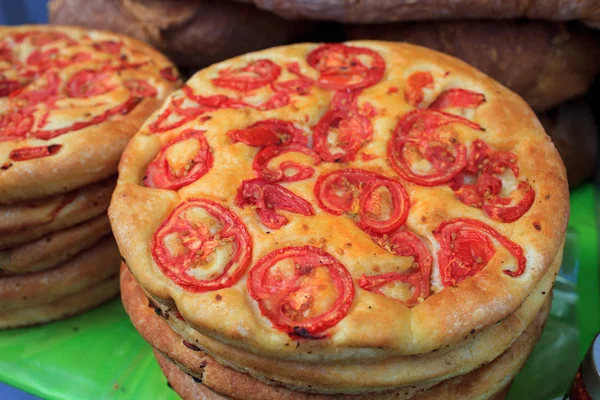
(76, 96)
(374, 326)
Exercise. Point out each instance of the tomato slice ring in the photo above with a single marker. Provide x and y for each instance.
(267, 197)
(161, 174)
(417, 130)
(353, 192)
(7, 86)
(457, 98)
(415, 84)
(88, 83)
(288, 298)
(269, 132)
(108, 46)
(405, 244)
(30, 153)
(341, 67)
(15, 125)
(466, 248)
(288, 171)
(140, 88)
(254, 75)
(198, 242)
(498, 208)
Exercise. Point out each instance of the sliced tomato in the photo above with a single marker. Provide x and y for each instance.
(457, 98)
(405, 244)
(187, 240)
(182, 169)
(181, 115)
(42, 38)
(29, 153)
(108, 46)
(89, 83)
(466, 247)
(299, 87)
(7, 86)
(414, 86)
(343, 130)
(15, 125)
(302, 290)
(288, 171)
(354, 192)
(417, 132)
(483, 164)
(268, 197)
(169, 73)
(31, 95)
(344, 67)
(269, 132)
(255, 74)
(140, 88)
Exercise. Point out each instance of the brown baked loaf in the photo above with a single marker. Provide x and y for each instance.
(370, 11)
(546, 63)
(192, 33)
(575, 135)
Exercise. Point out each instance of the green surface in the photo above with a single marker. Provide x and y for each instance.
(100, 356)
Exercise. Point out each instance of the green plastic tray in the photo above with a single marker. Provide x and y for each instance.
(100, 356)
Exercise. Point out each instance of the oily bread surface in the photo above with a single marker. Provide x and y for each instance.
(91, 153)
(366, 331)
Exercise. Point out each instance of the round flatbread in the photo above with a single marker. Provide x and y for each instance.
(62, 308)
(341, 202)
(489, 382)
(418, 372)
(54, 248)
(70, 99)
(25, 222)
(87, 269)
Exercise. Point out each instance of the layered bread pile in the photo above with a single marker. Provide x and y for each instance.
(366, 220)
(546, 52)
(70, 101)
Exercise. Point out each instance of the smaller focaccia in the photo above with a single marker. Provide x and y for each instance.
(24, 222)
(85, 270)
(70, 99)
(53, 249)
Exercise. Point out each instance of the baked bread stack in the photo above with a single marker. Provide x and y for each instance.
(70, 101)
(366, 220)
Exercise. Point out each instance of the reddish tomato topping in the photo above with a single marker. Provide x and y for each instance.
(269, 132)
(466, 247)
(267, 198)
(415, 83)
(457, 98)
(300, 87)
(302, 290)
(15, 125)
(88, 83)
(108, 46)
(346, 126)
(345, 67)
(379, 204)
(417, 134)
(174, 171)
(7, 86)
(184, 244)
(29, 153)
(34, 95)
(255, 74)
(169, 74)
(288, 171)
(405, 244)
(42, 38)
(140, 88)
(484, 191)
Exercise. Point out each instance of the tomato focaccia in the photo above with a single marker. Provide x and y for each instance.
(344, 201)
(70, 99)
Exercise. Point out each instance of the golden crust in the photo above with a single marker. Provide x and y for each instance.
(62, 308)
(54, 248)
(91, 153)
(87, 269)
(489, 381)
(375, 325)
(421, 371)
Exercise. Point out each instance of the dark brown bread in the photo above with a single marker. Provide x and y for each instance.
(193, 33)
(373, 11)
(546, 63)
